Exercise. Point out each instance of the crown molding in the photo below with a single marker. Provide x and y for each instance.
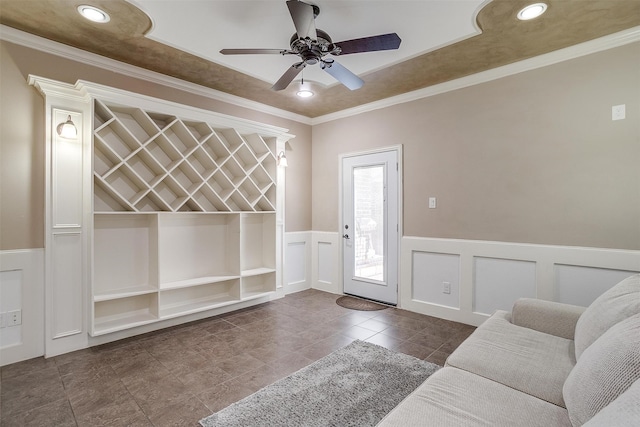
(593, 46)
(611, 41)
(48, 46)
(85, 91)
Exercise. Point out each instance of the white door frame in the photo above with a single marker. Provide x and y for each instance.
(341, 157)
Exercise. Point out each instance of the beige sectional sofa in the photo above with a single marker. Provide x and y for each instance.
(544, 364)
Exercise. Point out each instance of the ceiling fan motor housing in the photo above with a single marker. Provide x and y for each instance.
(311, 51)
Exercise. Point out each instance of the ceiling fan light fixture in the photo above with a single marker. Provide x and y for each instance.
(305, 93)
(532, 11)
(94, 14)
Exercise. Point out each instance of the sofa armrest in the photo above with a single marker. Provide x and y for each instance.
(546, 316)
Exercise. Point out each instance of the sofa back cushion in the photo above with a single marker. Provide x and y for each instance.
(624, 411)
(618, 303)
(606, 369)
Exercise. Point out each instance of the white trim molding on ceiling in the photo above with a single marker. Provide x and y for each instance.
(48, 46)
(611, 41)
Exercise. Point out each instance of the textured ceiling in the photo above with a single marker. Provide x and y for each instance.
(205, 27)
(503, 40)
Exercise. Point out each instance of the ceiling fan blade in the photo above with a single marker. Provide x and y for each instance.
(343, 75)
(370, 44)
(252, 51)
(288, 76)
(303, 19)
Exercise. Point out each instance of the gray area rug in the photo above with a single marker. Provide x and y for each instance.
(354, 386)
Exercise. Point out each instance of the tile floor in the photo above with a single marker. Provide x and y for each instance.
(177, 376)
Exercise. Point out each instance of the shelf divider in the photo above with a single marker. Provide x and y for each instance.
(195, 282)
(124, 293)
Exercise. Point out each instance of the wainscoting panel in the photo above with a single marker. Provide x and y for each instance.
(431, 273)
(325, 265)
(297, 265)
(22, 288)
(581, 285)
(297, 262)
(326, 262)
(11, 284)
(492, 275)
(67, 289)
(498, 283)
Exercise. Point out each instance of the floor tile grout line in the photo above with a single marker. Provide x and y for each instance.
(321, 311)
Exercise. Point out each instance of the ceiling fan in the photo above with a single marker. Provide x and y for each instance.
(313, 45)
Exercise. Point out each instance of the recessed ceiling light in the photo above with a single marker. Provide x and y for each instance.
(304, 93)
(94, 14)
(532, 11)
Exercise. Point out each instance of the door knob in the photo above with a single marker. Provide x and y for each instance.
(346, 236)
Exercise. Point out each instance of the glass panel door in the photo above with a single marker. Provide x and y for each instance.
(368, 200)
(370, 203)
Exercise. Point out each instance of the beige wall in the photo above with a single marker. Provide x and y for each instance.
(532, 158)
(22, 140)
(21, 159)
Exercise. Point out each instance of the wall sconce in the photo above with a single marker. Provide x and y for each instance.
(282, 160)
(67, 129)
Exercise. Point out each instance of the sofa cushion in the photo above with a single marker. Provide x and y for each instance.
(452, 397)
(606, 369)
(622, 412)
(546, 316)
(616, 304)
(529, 361)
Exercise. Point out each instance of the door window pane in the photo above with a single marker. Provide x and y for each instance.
(368, 208)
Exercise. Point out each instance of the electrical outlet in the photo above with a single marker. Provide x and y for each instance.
(446, 287)
(13, 318)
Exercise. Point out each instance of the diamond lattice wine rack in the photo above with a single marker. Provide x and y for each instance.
(149, 162)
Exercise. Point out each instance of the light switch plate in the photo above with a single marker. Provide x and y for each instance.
(432, 202)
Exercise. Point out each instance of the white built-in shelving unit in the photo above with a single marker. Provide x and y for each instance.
(157, 213)
(184, 216)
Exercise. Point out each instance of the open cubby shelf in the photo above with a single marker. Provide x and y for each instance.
(152, 266)
(177, 302)
(184, 217)
(127, 312)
